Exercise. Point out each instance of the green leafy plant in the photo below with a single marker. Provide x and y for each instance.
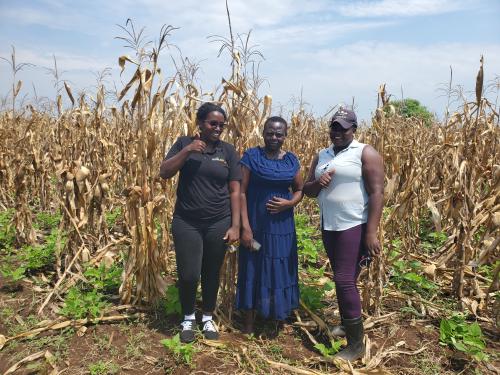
(316, 272)
(47, 220)
(407, 278)
(463, 336)
(7, 230)
(11, 272)
(312, 295)
(39, 257)
(329, 351)
(432, 241)
(103, 368)
(487, 269)
(172, 302)
(112, 217)
(32, 259)
(79, 304)
(307, 246)
(105, 279)
(181, 351)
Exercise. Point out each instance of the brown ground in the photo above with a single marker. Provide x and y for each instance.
(133, 347)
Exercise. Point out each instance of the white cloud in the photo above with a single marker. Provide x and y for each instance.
(399, 8)
(52, 17)
(65, 61)
(331, 76)
(309, 34)
(296, 37)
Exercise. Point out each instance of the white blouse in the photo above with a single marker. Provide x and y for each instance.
(344, 203)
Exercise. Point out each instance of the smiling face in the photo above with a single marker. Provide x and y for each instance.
(341, 137)
(274, 135)
(212, 126)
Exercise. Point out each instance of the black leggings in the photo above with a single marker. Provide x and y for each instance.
(199, 250)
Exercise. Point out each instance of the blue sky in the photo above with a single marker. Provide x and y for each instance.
(326, 51)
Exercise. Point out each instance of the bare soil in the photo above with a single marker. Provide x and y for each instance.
(134, 347)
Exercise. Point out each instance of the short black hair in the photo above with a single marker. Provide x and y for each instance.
(279, 119)
(206, 108)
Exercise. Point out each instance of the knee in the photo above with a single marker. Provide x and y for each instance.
(211, 274)
(189, 279)
(344, 282)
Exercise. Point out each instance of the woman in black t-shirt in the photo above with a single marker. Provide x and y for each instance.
(207, 213)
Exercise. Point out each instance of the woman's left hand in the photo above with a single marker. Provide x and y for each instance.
(277, 205)
(372, 244)
(232, 235)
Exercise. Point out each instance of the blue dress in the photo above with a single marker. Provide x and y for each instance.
(268, 278)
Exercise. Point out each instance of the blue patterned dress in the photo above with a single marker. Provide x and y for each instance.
(268, 278)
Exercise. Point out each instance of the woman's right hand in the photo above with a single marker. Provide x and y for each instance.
(325, 179)
(196, 146)
(246, 237)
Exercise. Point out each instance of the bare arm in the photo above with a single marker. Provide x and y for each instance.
(312, 187)
(246, 232)
(233, 233)
(169, 167)
(297, 187)
(277, 204)
(373, 176)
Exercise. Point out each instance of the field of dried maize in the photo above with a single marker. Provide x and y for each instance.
(92, 165)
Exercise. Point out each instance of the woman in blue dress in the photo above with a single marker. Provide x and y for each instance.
(270, 188)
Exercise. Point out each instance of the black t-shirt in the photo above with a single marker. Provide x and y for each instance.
(203, 188)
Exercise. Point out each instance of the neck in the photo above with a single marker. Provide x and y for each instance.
(272, 154)
(340, 148)
(209, 142)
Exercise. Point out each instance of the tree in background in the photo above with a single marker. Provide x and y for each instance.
(411, 108)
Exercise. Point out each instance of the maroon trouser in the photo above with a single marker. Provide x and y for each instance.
(346, 251)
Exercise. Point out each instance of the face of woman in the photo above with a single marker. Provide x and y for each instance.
(274, 135)
(341, 137)
(212, 127)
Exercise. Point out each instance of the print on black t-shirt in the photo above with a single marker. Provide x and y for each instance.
(202, 191)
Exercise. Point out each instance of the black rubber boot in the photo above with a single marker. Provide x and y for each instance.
(355, 348)
(339, 330)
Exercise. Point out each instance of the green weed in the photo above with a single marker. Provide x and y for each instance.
(465, 337)
(11, 272)
(34, 258)
(47, 220)
(181, 351)
(432, 241)
(135, 345)
(487, 269)
(105, 279)
(316, 272)
(103, 368)
(112, 217)
(329, 351)
(275, 349)
(7, 230)
(426, 365)
(172, 302)
(312, 295)
(406, 278)
(79, 304)
(307, 246)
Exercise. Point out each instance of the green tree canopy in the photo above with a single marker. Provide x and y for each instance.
(412, 108)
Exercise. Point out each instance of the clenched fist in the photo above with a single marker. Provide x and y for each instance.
(325, 179)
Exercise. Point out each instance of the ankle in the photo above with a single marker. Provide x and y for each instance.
(190, 317)
(206, 317)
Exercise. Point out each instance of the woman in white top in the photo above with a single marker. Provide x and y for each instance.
(348, 180)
